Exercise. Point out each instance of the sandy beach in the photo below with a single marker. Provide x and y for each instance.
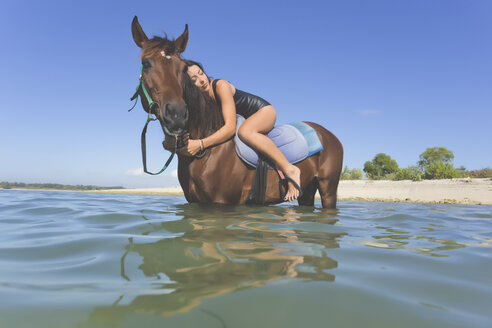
(459, 191)
(452, 191)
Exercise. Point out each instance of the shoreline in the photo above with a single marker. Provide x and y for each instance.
(449, 191)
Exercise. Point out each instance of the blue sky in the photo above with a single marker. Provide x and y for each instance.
(384, 76)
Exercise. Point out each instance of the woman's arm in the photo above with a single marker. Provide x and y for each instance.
(224, 91)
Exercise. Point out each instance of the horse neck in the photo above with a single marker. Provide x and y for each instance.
(212, 158)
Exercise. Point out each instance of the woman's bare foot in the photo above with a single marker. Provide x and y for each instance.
(295, 174)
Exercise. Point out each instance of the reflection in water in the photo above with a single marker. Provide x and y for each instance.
(420, 244)
(219, 250)
(129, 261)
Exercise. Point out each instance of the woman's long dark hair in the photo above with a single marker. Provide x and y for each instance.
(189, 63)
(205, 115)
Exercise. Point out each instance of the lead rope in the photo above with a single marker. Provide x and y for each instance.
(144, 149)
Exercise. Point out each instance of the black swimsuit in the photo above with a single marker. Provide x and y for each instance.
(246, 103)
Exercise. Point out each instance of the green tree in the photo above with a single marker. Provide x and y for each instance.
(345, 173)
(436, 155)
(483, 173)
(4, 185)
(413, 173)
(440, 170)
(382, 166)
(354, 174)
(437, 163)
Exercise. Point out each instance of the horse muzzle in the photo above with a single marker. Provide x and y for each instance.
(174, 118)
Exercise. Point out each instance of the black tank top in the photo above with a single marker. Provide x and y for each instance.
(246, 103)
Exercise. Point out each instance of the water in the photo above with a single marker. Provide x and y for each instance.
(104, 260)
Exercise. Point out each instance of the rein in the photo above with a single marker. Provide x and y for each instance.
(150, 118)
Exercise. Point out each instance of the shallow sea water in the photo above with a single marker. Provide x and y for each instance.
(105, 260)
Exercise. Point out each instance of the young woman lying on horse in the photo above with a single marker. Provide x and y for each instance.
(260, 118)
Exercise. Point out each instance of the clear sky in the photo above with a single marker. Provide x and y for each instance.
(383, 75)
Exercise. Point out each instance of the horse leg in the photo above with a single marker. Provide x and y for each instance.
(309, 191)
(328, 192)
(329, 166)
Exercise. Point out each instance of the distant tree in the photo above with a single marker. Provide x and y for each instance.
(382, 166)
(437, 163)
(413, 173)
(354, 174)
(4, 185)
(440, 170)
(483, 173)
(345, 173)
(436, 155)
(7, 185)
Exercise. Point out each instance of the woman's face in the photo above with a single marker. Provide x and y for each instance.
(199, 78)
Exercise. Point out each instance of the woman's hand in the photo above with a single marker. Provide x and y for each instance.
(191, 149)
(169, 143)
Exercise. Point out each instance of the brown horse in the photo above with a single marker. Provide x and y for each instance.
(220, 176)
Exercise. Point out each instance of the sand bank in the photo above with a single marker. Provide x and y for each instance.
(459, 191)
(454, 191)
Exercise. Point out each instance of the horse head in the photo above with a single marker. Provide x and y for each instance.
(162, 78)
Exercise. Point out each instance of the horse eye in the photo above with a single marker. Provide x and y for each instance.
(146, 63)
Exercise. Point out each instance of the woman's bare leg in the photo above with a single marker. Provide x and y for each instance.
(252, 132)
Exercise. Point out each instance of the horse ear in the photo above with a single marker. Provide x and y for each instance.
(138, 34)
(182, 41)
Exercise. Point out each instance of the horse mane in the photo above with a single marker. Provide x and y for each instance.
(205, 116)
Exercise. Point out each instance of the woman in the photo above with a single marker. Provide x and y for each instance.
(259, 117)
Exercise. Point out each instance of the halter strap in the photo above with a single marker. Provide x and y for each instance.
(150, 118)
(141, 86)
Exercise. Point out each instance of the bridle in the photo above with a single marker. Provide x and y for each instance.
(150, 117)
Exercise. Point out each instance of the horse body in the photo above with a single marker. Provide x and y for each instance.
(220, 176)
